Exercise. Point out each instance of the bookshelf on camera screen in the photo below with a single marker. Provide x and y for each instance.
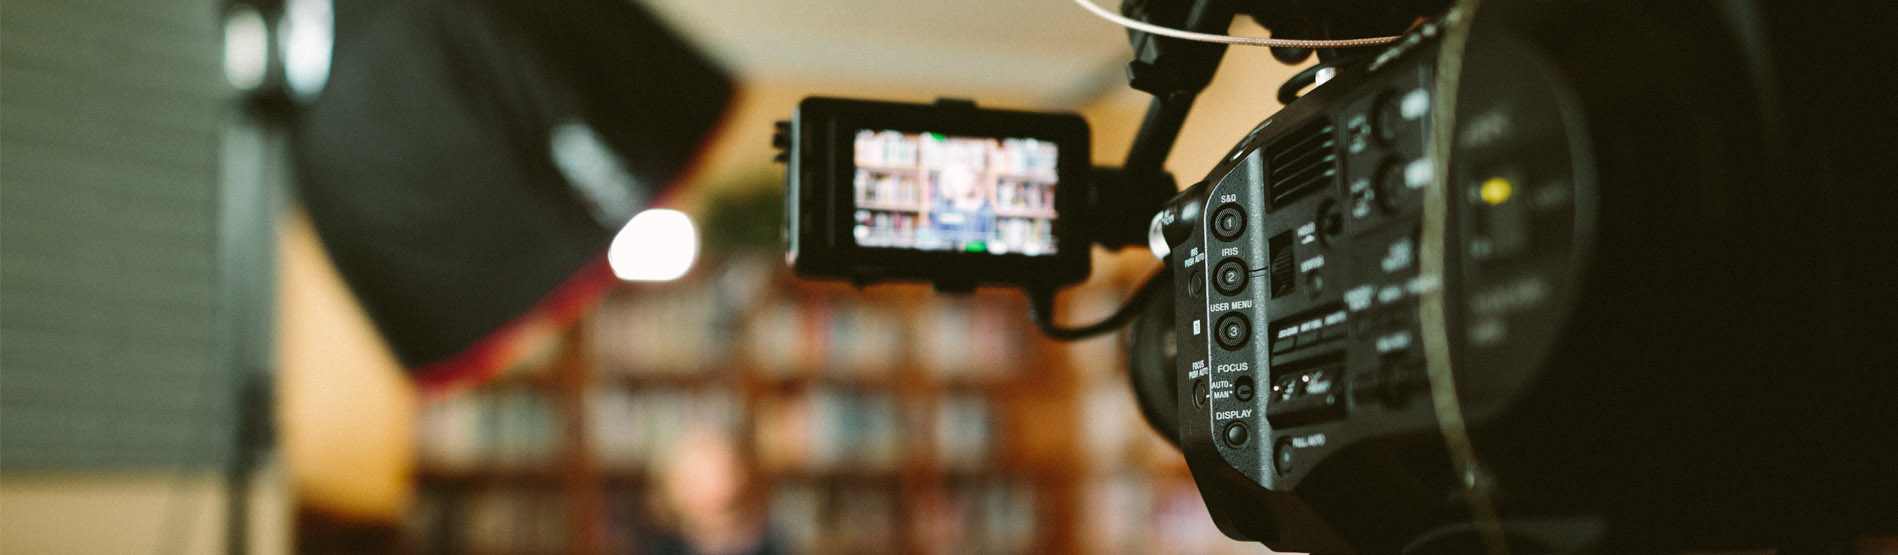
(935, 192)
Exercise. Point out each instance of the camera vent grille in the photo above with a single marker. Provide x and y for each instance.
(1302, 161)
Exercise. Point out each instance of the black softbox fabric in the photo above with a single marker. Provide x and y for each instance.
(426, 166)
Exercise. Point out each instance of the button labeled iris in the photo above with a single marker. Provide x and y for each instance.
(1229, 277)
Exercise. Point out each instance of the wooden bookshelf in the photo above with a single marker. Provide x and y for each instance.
(887, 420)
(890, 419)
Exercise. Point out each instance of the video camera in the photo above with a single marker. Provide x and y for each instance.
(1539, 276)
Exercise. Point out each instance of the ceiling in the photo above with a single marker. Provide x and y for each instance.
(1050, 50)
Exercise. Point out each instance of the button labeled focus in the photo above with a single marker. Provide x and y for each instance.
(1229, 277)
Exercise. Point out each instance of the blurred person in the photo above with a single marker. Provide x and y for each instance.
(706, 500)
(963, 213)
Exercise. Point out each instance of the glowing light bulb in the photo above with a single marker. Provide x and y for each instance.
(657, 245)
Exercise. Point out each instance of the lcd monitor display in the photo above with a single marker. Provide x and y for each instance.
(934, 192)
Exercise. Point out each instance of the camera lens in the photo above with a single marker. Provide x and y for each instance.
(1228, 222)
(1233, 331)
(1230, 276)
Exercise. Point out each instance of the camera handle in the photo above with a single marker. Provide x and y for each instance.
(1174, 71)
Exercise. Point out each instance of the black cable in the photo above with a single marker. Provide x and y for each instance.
(1041, 310)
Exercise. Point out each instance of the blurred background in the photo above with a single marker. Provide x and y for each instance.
(198, 355)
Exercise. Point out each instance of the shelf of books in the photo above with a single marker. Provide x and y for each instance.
(884, 420)
(496, 472)
(888, 420)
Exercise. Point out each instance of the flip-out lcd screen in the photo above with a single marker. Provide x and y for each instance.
(936, 192)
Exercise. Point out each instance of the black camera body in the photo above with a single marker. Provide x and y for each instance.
(1618, 364)
(946, 193)
(1299, 327)
(1549, 276)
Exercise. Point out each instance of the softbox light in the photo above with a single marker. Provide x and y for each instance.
(468, 162)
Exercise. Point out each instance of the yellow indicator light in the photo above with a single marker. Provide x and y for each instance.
(1496, 191)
